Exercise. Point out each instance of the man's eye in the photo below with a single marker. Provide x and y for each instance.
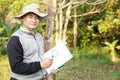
(30, 16)
(37, 17)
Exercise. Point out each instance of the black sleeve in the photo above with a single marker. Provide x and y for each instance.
(15, 54)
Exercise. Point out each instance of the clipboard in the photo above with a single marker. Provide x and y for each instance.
(60, 54)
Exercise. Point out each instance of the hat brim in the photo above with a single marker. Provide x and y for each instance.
(42, 16)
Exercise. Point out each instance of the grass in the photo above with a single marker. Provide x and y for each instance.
(90, 67)
(84, 67)
(4, 68)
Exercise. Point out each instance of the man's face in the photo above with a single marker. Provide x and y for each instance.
(30, 20)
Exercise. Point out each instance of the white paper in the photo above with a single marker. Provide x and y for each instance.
(61, 56)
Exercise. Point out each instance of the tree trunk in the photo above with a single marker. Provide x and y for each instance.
(49, 26)
(75, 29)
(51, 6)
(56, 29)
(67, 20)
(61, 26)
(113, 58)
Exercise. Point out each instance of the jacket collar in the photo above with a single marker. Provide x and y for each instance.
(22, 29)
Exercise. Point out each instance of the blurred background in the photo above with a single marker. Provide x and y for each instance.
(90, 29)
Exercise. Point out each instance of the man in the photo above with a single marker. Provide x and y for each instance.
(25, 47)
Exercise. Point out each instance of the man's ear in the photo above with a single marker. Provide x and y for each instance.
(21, 20)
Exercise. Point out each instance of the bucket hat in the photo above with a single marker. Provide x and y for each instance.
(31, 8)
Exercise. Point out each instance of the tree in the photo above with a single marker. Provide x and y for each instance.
(66, 7)
(51, 6)
(111, 47)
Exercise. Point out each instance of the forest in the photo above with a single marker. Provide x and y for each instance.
(90, 29)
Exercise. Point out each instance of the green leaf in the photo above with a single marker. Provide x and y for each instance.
(114, 43)
(118, 47)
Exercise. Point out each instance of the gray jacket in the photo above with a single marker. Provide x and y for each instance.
(25, 51)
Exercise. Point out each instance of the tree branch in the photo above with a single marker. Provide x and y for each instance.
(85, 14)
(97, 2)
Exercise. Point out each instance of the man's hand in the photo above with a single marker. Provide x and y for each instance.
(45, 63)
(54, 71)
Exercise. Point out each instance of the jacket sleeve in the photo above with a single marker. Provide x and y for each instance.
(15, 55)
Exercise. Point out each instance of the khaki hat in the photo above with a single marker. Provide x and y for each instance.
(31, 8)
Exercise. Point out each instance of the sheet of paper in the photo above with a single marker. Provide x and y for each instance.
(61, 55)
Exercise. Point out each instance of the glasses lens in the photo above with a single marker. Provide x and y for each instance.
(54, 53)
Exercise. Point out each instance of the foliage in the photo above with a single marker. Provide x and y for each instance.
(4, 9)
(111, 47)
(17, 6)
(97, 28)
(5, 33)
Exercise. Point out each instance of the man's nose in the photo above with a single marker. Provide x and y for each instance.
(34, 19)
